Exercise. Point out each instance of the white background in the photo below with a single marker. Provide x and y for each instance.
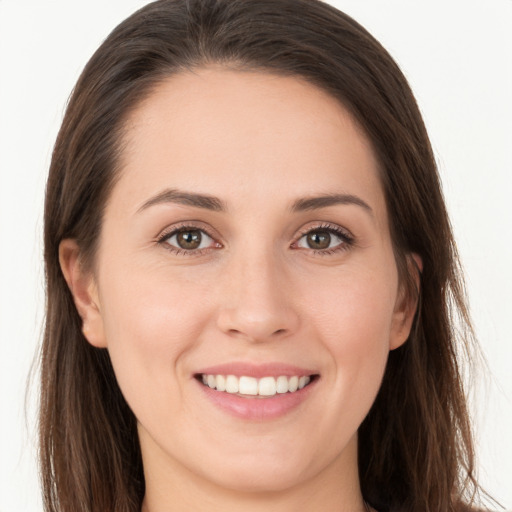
(457, 55)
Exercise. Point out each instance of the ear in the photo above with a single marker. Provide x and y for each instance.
(84, 290)
(406, 304)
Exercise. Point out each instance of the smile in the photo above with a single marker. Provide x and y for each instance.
(254, 387)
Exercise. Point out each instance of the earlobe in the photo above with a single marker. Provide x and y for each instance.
(84, 291)
(406, 304)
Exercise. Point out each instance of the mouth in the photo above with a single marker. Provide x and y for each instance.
(251, 387)
(257, 392)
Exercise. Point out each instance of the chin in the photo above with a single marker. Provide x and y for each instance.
(254, 477)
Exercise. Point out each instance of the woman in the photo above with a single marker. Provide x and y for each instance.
(251, 274)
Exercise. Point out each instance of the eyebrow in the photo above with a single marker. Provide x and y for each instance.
(215, 204)
(324, 201)
(186, 198)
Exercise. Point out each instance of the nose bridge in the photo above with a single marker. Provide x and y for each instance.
(258, 305)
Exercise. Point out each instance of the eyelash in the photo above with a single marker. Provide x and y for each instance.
(347, 238)
(183, 228)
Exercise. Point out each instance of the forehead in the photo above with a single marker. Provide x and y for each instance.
(245, 134)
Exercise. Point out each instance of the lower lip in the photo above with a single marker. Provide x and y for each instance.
(256, 408)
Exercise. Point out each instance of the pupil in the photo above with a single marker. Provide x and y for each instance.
(319, 240)
(189, 239)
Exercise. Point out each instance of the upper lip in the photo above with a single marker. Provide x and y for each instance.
(240, 369)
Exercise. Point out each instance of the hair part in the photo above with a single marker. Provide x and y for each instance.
(415, 446)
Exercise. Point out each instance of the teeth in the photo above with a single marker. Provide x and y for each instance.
(282, 385)
(293, 384)
(248, 386)
(221, 383)
(266, 386)
(231, 384)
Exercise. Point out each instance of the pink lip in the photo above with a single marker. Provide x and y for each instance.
(255, 408)
(256, 370)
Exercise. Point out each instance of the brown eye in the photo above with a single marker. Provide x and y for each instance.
(325, 239)
(318, 240)
(189, 239)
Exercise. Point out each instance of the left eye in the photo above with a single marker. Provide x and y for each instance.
(321, 239)
(189, 239)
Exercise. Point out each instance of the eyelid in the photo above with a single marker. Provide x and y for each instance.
(344, 234)
(348, 239)
(174, 229)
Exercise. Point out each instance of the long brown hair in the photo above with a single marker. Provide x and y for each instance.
(415, 447)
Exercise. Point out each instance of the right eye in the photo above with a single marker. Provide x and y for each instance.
(188, 240)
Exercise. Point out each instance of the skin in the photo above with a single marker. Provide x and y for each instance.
(257, 291)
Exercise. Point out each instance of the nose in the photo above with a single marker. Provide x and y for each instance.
(258, 305)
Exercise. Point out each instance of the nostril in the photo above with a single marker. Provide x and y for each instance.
(256, 322)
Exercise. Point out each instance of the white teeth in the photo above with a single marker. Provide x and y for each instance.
(304, 381)
(282, 384)
(293, 384)
(221, 383)
(231, 384)
(266, 386)
(248, 386)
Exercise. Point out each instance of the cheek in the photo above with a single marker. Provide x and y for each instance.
(151, 322)
(354, 318)
(353, 314)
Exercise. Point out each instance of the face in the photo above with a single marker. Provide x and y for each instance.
(247, 237)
